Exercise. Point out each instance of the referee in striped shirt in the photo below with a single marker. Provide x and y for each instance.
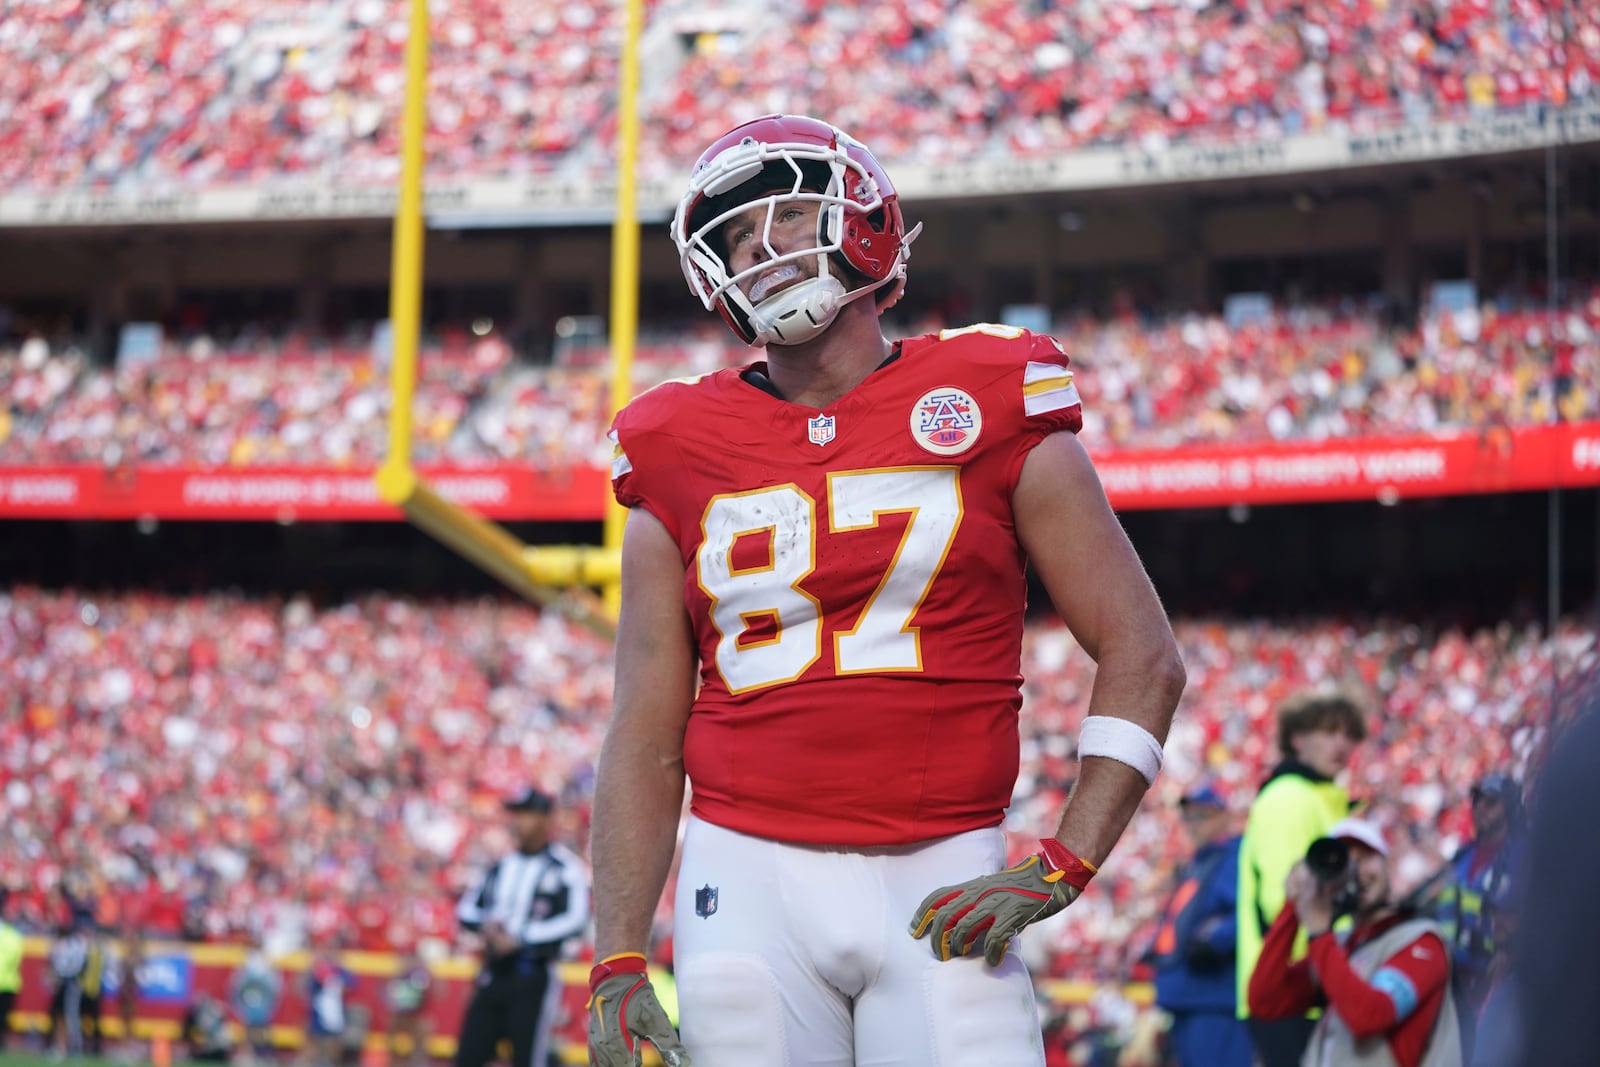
(525, 907)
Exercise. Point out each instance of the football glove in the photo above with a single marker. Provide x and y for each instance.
(624, 1012)
(987, 912)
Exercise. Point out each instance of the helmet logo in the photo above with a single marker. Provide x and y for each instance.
(946, 421)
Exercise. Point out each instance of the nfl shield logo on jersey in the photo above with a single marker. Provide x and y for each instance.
(705, 901)
(820, 429)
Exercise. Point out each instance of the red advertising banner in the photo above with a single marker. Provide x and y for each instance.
(289, 494)
(1371, 468)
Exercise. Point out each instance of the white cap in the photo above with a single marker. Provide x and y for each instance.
(1360, 830)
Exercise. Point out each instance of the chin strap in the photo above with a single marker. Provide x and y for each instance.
(802, 311)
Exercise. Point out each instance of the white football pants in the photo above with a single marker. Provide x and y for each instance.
(806, 961)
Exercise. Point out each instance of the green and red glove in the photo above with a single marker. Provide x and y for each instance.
(987, 912)
(624, 1013)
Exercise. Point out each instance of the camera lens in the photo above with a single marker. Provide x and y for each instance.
(1328, 858)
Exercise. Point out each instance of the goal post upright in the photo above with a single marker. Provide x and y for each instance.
(624, 269)
(553, 576)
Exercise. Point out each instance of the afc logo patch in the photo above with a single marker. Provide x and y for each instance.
(705, 901)
(946, 421)
(820, 429)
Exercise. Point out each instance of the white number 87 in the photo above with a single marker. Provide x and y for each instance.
(768, 592)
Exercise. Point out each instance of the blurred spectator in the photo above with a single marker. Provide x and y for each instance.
(1382, 985)
(1496, 1032)
(93, 982)
(10, 969)
(328, 987)
(205, 1030)
(128, 964)
(407, 996)
(1317, 735)
(255, 991)
(1193, 953)
(1554, 984)
(69, 959)
(1479, 876)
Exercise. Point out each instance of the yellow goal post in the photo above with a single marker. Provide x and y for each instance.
(563, 577)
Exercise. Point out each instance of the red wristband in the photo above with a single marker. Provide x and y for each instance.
(1058, 858)
(621, 963)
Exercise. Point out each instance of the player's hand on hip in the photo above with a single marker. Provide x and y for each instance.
(986, 913)
(624, 1013)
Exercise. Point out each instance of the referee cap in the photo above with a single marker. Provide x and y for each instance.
(529, 799)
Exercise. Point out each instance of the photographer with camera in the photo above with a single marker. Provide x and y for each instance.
(1384, 983)
(1318, 732)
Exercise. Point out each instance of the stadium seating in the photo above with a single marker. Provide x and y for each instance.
(1184, 379)
(159, 94)
(943, 81)
(254, 90)
(260, 403)
(153, 749)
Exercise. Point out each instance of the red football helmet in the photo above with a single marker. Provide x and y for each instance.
(859, 225)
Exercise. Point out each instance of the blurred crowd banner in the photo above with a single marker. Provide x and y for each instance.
(174, 974)
(584, 198)
(1387, 469)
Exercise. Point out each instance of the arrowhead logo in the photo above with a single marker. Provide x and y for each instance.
(946, 421)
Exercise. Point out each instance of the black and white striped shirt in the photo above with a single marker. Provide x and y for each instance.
(542, 899)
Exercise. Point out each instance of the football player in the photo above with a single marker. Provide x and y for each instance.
(824, 585)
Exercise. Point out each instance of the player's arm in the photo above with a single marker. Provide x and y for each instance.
(639, 793)
(1100, 589)
(640, 779)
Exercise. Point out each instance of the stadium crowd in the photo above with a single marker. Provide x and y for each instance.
(152, 94)
(1147, 383)
(154, 752)
(934, 81)
(257, 402)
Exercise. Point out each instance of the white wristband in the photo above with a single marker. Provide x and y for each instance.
(1121, 740)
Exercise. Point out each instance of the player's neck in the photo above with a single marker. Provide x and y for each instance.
(817, 373)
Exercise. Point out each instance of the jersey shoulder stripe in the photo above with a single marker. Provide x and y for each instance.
(1049, 392)
(1048, 387)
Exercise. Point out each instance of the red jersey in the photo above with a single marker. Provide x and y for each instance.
(855, 584)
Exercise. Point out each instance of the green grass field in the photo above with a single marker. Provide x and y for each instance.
(39, 1059)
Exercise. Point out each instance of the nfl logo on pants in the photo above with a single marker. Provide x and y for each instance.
(821, 431)
(705, 901)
